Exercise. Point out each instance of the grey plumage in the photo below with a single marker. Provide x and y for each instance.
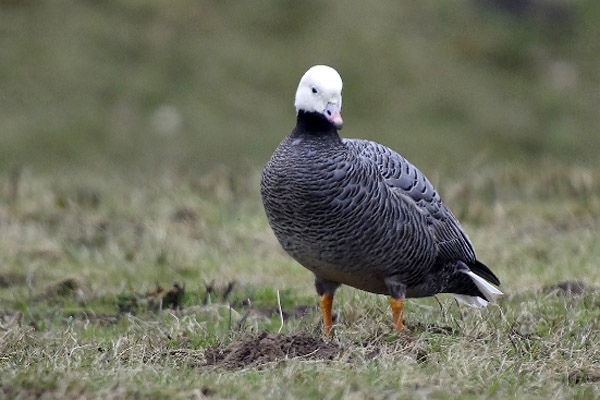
(355, 212)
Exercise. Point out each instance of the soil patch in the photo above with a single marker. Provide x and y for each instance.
(569, 287)
(269, 347)
(9, 279)
(578, 377)
(153, 300)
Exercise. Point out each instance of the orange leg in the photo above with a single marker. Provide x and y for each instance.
(397, 312)
(326, 301)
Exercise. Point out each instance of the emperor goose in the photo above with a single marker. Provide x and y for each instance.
(355, 212)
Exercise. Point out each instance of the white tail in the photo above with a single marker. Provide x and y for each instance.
(484, 287)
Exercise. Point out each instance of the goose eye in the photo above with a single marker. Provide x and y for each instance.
(314, 90)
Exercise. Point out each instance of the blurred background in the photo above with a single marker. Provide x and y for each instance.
(146, 85)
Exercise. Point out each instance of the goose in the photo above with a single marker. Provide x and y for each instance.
(355, 212)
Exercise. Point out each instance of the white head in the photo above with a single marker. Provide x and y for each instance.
(320, 91)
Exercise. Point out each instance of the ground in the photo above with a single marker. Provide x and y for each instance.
(114, 289)
(136, 260)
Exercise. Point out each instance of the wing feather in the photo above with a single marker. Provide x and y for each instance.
(407, 181)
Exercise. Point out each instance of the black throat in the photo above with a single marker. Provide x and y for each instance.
(313, 124)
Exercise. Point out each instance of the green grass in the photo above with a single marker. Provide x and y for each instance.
(131, 140)
(146, 85)
(75, 250)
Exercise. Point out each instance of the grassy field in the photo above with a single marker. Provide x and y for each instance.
(141, 85)
(90, 308)
(135, 257)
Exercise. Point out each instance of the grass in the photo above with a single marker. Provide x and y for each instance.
(132, 239)
(82, 316)
(147, 85)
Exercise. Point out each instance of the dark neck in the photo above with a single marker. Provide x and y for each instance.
(314, 124)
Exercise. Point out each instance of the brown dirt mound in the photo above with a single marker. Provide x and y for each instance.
(269, 347)
(568, 287)
(8, 279)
